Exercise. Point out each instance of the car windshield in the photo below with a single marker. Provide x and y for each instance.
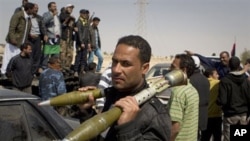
(158, 70)
(21, 122)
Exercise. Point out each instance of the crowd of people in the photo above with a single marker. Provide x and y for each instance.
(43, 46)
(53, 34)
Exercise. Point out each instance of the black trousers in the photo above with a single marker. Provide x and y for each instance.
(213, 129)
(36, 52)
(81, 59)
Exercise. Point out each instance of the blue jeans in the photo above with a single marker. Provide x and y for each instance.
(98, 54)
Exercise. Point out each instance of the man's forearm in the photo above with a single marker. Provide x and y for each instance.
(174, 130)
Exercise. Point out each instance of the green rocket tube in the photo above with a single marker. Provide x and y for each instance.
(71, 98)
(99, 123)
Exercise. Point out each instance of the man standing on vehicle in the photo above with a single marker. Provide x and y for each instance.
(20, 68)
(36, 36)
(53, 27)
(68, 25)
(19, 30)
(82, 42)
(95, 44)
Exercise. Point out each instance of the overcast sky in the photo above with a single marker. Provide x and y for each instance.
(172, 26)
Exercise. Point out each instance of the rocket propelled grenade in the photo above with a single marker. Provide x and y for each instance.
(99, 123)
(72, 98)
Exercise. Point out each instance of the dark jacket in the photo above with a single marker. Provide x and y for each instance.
(49, 23)
(41, 25)
(207, 63)
(152, 122)
(233, 92)
(17, 29)
(95, 43)
(20, 68)
(201, 84)
(67, 28)
(18, 9)
(83, 33)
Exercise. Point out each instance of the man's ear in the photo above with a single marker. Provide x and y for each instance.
(145, 68)
(185, 70)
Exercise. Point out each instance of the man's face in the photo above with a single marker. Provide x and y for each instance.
(175, 64)
(27, 51)
(69, 9)
(85, 15)
(35, 9)
(24, 2)
(95, 23)
(52, 7)
(224, 58)
(31, 11)
(127, 70)
(215, 75)
(56, 65)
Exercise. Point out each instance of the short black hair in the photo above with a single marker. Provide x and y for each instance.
(96, 19)
(84, 11)
(28, 6)
(25, 46)
(186, 62)
(49, 5)
(91, 66)
(53, 60)
(209, 71)
(225, 52)
(234, 63)
(140, 43)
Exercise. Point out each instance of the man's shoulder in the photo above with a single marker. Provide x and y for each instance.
(16, 57)
(185, 90)
(51, 71)
(18, 14)
(39, 16)
(46, 14)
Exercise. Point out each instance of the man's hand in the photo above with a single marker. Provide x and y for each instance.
(82, 46)
(189, 52)
(13, 42)
(89, 48)
(129, 108)
(91, 100)
(45, 38)
(33, 36)
(75, 29)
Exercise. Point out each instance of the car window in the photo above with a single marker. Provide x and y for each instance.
(39, 128)
(157, 71)
(13, 125)
(22, 122)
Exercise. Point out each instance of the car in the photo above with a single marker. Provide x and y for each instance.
(22, 119)
(158, 70)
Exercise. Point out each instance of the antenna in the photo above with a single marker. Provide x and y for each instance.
(141, 18)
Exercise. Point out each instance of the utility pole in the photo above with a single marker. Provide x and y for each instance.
(141, 18)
